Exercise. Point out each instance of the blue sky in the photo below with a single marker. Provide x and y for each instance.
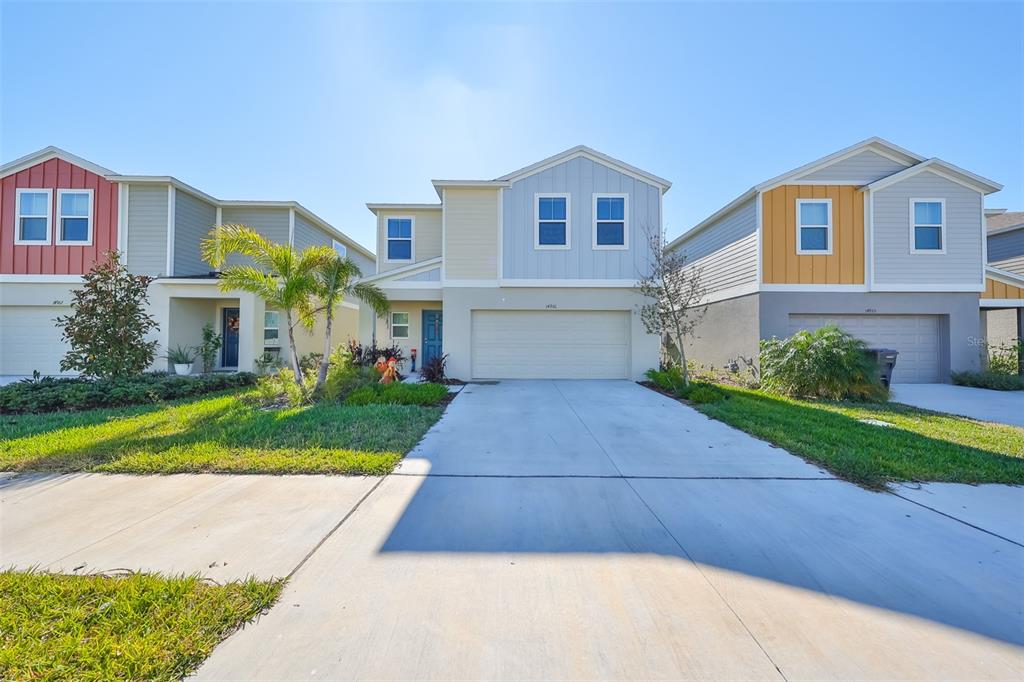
(334, 105)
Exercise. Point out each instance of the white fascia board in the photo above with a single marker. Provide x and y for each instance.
(405, 270)
(928, 288)
(876, 144)
(696, 229)
(569, 283)
(941, 168)
(1004, 276)
(441, 185)
(375, 207)
(47, 153)
(1001, 302)
(40, 279)
(593, 155)
(823, 288)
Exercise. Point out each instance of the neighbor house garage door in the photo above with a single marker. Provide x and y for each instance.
(533, 344)
(30, 339)
(916, 337)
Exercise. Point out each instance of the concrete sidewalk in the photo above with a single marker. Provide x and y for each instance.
(1004, 407)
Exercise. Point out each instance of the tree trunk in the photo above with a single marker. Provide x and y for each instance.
(684, 371)
(321, 375)
(292, 349)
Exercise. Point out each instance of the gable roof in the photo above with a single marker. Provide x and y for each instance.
(593, 155)
(404, 270)
(47, 153)
(1004, 221)
(946, 170)
(873, 144)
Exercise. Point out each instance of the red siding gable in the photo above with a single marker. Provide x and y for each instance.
(51, 259)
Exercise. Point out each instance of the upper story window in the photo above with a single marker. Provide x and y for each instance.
(339, 249)
(74, 216)
(552, 224)
(814, 226)
(611, 226)
(33, 217)
(399, 237)
(399, 325)
(928, 225)
(271, 328)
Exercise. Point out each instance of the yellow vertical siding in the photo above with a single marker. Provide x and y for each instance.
(996, 289)
(780, 262)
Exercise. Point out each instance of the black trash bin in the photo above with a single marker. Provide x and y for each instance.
(886, 359)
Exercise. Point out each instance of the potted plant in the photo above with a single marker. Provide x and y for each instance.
(182, 358)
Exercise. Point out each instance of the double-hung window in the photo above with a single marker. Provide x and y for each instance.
(339, 248)
(74, 216)
(271, 328)
(399, 325)
(814, 226)
(611, 226)
(399, 247)
(928, 225)
(33, 216)
(551, 229)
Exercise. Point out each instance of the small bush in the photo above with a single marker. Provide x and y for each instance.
(669, 379)
(398, 393)
(826, 363)
(992, 380)
(433, 369)
(1003, 359)
(703, 393)
(52, 394)
(367, 356)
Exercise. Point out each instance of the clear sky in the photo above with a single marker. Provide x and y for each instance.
(335, 105)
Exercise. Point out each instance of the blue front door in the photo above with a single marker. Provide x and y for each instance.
(432, 325)
(229, 330)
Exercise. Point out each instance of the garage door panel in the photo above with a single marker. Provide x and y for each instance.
(916, 337)
(511, 344)
(30, 339)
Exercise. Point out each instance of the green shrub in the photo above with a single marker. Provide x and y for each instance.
(992, 380)
(1003, 359)
(398, 393)
(826, 363)
(705, 393)
(669, 379)
(52, 394)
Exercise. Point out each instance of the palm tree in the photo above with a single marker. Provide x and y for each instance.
(334, 282)
(284, 278)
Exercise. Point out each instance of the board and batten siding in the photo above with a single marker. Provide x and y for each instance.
(893, 261)
(781, 264)
(1006, 251)
(426, 236)
(272, 223)
(147, 230)
(863, 168)
(996, 289)
(725, 251)
(432, 275)
(471, 234)
(581, 178)
(193, 220)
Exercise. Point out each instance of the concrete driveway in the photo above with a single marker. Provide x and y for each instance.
(553, 530)
(1004, 407)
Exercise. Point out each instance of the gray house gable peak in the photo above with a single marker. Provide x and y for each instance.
(944, 169)
(593, 155)
(877, 145)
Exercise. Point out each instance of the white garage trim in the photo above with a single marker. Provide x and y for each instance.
(550, 344)
(916, 337)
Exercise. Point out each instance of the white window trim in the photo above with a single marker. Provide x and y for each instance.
(625, 222)
(407, 325)
(828, 232)
(942, 226)
(536, 221)
(276, 343)
(17, 216)
(412, 239)
(335, 244)
(61, 216)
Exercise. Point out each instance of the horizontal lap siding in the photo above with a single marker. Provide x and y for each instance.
(1006, 251)
(863, 168)
(272, 223)
(307, 234)
(782, 265)
(193, 220)
(725, 252)
(893, 261)
(581, 178)
(147, 229)
(432, 275)
(52, 259)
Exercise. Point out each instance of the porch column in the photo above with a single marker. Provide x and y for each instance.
(1020, 340)
(160, 309)
(250, 330)
(367, 324)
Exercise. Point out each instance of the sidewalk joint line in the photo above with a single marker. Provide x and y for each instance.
(950, 516)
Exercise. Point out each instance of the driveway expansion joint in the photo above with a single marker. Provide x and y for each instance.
(950, 516)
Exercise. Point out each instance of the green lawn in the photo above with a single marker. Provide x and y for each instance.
(919, 446)
(138, 627)
(222, 433)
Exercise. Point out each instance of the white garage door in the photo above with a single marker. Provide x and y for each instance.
(30, 339)
(539, 344)
(916, 337)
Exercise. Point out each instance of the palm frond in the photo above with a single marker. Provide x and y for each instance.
(251, 279)
(240, 239)
(373, 296)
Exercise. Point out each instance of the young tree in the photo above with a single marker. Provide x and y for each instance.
(334, 283)
(108, 324)
(284, 278)
(674, 292)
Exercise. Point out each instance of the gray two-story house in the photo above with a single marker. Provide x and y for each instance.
(530, 275)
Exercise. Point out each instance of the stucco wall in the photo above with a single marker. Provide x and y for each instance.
(728, 329)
